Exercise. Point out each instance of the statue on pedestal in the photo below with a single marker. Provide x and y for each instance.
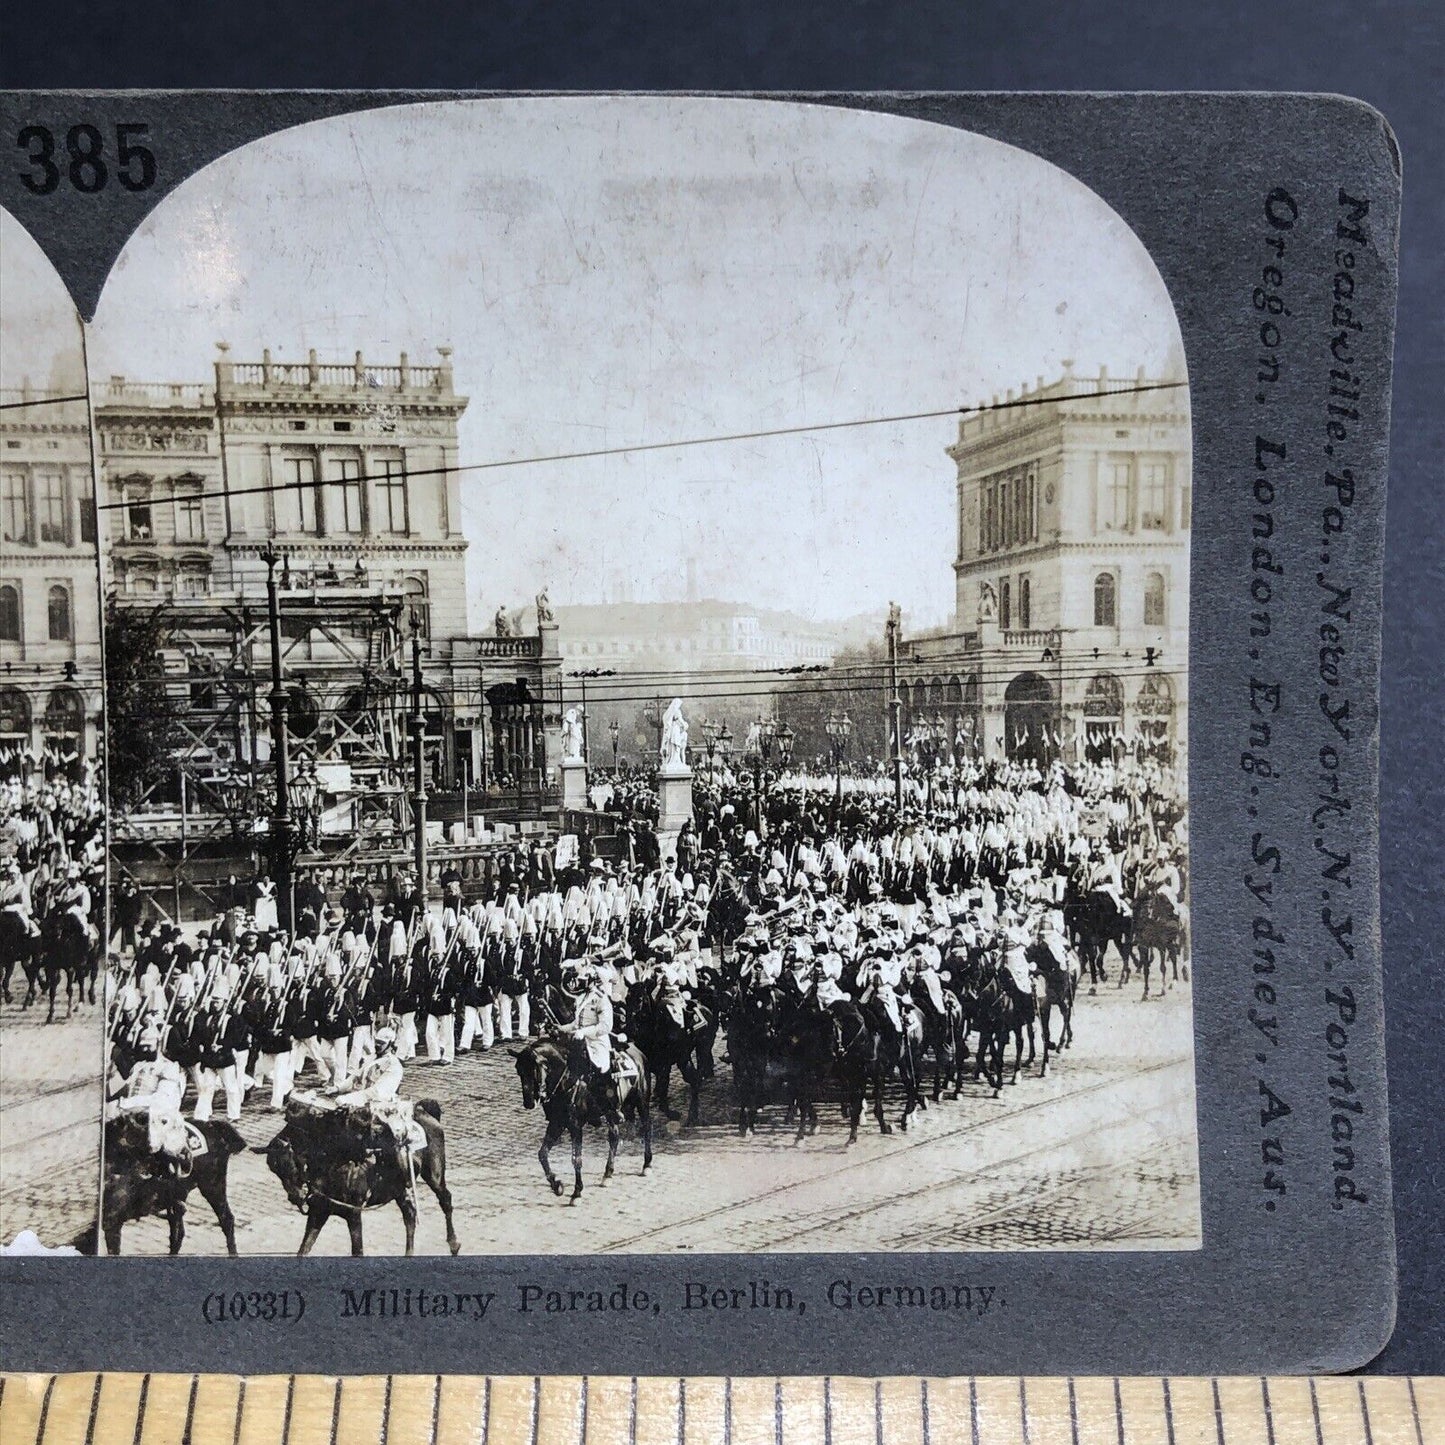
(987, 602)
(673, 752)
(571, 736)
(544, 608)
(502, 623)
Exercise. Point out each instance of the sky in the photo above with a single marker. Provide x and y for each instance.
(616, 271)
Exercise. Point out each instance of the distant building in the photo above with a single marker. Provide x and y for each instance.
(722, 658)
(50, 683)
(1071, 630)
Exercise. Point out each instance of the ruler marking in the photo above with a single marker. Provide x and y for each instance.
(1023, 1407)
(240, 1410)
(1315, 1411)
(877, 1412)
(582, 1414)
(1218, 1412)
(386, 1413)
(1268, 1410)
(335, 1410)
(827, 1410)
(45, 1411)
(1168, 1412)
(140, 1410)
(1118, 1411)
(286, 1418)
(1073, 1413)
(973, 1408)
(187, 1433)
(777, 1412)
(1365, 1413)
(486, 1410)
(536, 1407)
(1415, 1411)
(923, 1400)
(436, 1408)
(94, 1410)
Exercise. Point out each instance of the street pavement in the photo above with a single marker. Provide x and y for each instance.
(50, 1101)
(1100, 1154)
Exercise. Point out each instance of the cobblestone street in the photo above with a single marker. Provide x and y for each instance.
(1099, 1154)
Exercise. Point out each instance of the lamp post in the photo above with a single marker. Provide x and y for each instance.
(418, 765)
(765, 730)
(305, 790)
(719, 740)
(839, 728)
(786, 737)
(280, 706)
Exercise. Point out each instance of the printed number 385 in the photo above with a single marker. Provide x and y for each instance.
(83, 159)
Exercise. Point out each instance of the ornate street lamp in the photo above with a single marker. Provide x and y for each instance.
(304, 789)
(786, 737)
(718, 739)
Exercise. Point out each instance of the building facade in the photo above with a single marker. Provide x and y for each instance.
(1071, 629)
(340, 482)
(50, 681)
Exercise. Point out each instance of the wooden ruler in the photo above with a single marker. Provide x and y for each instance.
(598, 1410)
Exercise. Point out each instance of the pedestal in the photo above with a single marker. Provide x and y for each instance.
(574, 783)
(674, 807)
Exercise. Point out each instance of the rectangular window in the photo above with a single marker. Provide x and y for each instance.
(87, 520)
(296, 510)
(1025, 604)
(391, 495)
(343, 495)
(9, 612)
(1154, 497)
(14, 508)
(1004, 620)
(1117, 513)
(138, 517)
(50, 500)
(190, 519)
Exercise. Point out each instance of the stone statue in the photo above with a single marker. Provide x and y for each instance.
(502, 622)
(674, 736)
(544, 607)
(753, 745)
(987, 602)
(571, 736)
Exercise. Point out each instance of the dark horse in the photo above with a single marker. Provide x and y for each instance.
(139, 1184)
(342, 1161)
(17, 945)
(943, 1036)
(1093, 923)
(65, 947)
(1157, 931)
(572, 1098)
(1055, 985)
(665, 1042)
(1001, 1013)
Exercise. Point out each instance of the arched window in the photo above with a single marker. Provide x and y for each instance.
(14, 716)
(138, 521)
(1104, 608)
(59, 614)
(1103, 716)
(1025, 604)
(1005, 609)
(9, 613)
(64, 714)
(1154, 600)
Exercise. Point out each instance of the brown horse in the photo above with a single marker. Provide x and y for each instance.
(342, 1161)
(139, 1185)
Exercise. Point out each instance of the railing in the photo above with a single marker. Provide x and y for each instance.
(1034, 637)
(348, 377)
(490, 648)
(155, 393)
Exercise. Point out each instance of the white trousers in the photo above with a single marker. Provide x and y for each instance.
(504, 1015)
(229, 1078)
(406, 1037)
(477, 1023)
(315, 1049)
(276, 1067)
(441, 1037)
(362, 1047)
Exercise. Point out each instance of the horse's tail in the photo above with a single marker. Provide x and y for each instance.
(429, 1107)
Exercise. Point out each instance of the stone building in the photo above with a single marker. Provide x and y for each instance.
(342, 478)
(50, 683)
(1071, 628)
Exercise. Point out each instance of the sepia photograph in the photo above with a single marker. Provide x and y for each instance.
(598, 675)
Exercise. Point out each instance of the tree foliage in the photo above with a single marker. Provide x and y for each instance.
(142, 729)
(857, 684)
